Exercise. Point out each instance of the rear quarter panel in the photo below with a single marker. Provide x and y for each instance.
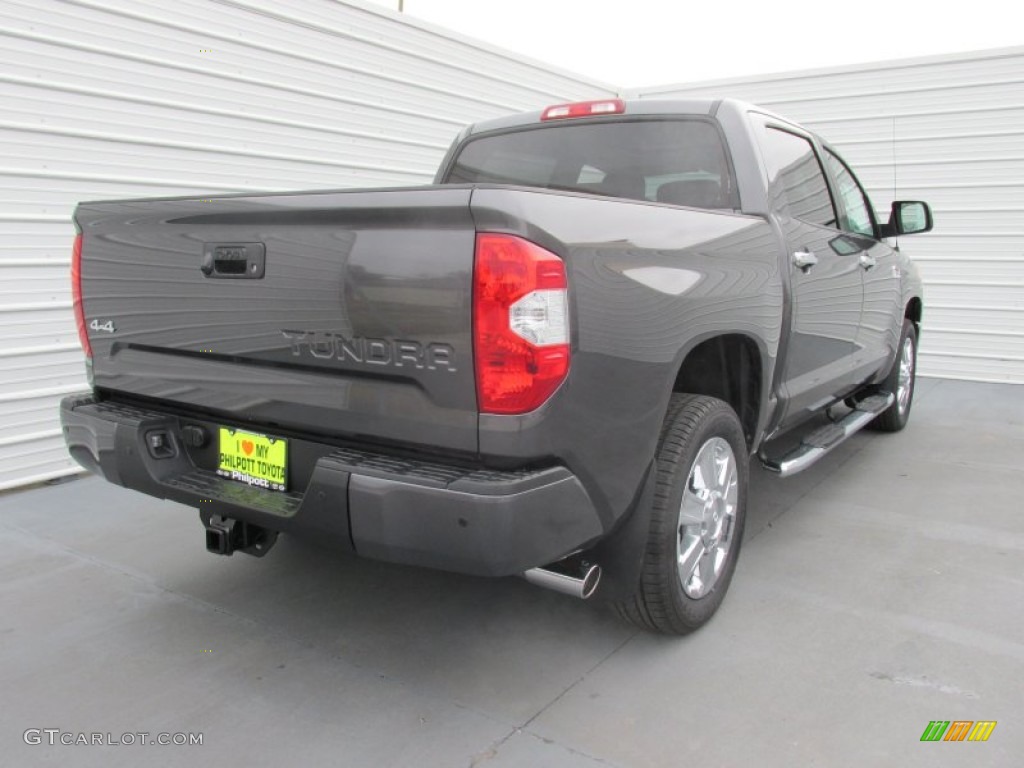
(647, 283)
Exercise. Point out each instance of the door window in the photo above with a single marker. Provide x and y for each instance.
(796, 179)
(857, 210)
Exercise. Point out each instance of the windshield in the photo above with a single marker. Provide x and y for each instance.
(678, 161)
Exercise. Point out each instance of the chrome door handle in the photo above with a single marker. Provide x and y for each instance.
(804, 260)
(867, 260)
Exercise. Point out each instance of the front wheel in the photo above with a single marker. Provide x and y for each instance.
(697, 517)
(900, 382)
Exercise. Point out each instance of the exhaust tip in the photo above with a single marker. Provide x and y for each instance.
(591, 578)
(580, 581)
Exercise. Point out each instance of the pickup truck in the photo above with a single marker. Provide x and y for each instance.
(555, 362)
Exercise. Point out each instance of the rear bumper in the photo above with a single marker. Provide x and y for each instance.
(398, 509)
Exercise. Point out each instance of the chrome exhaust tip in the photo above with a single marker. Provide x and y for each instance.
(580, 581)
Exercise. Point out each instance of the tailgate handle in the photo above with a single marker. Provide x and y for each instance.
(239, 261)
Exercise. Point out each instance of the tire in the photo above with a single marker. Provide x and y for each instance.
(693, 521)
(900, 382)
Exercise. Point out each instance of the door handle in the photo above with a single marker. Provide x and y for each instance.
(867, 261)
(804, 260)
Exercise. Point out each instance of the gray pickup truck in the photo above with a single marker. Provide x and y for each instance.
(555, 362)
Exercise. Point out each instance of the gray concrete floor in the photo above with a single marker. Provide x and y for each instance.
(878, 591)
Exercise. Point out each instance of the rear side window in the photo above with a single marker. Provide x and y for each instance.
(796, 179)
(680, 161)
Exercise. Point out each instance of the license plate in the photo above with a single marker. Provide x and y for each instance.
(254, 459)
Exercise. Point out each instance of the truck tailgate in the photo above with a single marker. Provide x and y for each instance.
(342, 314)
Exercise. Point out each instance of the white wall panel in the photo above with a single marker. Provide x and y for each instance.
(949, 130)
(135, 98)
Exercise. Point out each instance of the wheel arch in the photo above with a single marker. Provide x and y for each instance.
(730, 367)
(913, 311)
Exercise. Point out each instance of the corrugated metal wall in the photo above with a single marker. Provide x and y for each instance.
(949, 130)
(147, 98)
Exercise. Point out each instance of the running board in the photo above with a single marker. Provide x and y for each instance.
(818, 443)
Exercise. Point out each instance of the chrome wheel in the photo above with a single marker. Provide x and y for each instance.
(707, 518)
(695, 521)
(905, 382)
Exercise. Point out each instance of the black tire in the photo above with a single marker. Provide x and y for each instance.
(660, 601)
(895, 417)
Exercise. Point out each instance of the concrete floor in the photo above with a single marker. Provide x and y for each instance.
(882, 589)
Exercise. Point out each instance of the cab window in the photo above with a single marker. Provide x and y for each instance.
(856, 216)
(676, 161)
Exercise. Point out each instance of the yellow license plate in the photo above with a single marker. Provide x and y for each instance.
(254, 459)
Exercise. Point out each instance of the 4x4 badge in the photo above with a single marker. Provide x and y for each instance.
(108, 326)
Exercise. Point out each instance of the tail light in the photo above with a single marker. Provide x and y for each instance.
(76, 295)
(520, 324)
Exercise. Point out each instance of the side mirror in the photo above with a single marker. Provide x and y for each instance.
(908, 217)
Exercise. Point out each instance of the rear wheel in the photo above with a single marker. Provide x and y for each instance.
(900, 382)
(697, 517)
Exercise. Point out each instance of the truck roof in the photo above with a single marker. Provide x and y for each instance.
(703, 106)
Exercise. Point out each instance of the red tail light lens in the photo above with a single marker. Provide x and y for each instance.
(584, 109)
(520, 324)
(76, 295)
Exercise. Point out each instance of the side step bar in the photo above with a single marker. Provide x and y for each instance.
(815, 445)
